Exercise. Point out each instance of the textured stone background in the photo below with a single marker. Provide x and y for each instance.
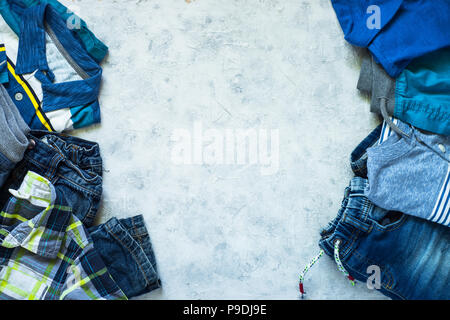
(227, 231)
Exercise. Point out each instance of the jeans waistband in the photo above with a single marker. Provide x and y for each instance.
(352, 220)
(69, 157)
(83, 153)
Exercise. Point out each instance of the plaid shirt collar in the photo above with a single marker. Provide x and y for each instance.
(40, 233)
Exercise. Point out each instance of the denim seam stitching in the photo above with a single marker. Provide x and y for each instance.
(349, 246)
(49, 169)
(353, 238)
(365, 210)
(367, 214)
(135, 259)
(77, 185)
(387, 289)
(391, 278)
(386, 286)
(54, 166)
(75, 167)
(89, 213)
(72, 151)
(57, 149)
(382, 267)
(354, 224)
(138, 235)
(78, 169)
(392, 228)
(46, 168)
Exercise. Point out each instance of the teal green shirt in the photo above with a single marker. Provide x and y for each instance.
(423, 93)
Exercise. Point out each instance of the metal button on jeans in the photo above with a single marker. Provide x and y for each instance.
(441, 147)
(18, 96)
(31, 144)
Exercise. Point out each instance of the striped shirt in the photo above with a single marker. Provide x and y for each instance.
(45, 252)
(411, 173)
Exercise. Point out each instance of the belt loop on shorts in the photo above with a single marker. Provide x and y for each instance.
(53, 165)
(359, 222)
(74, 154)
(356, 223)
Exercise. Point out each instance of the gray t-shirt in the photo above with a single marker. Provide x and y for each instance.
(411, 173)
(13, 133)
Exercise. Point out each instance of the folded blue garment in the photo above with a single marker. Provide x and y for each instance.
(12, 10)
(422, 96)
(407, 29)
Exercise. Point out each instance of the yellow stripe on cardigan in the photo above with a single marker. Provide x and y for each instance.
(31, 96)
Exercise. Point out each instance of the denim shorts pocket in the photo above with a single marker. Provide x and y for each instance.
(390, 222)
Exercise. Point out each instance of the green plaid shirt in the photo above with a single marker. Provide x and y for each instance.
(45, 251)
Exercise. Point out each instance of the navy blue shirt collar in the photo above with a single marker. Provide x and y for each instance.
(32, 56)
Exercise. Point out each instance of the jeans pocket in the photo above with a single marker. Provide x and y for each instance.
(392, 220)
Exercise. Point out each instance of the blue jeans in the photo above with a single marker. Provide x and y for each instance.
(72, 165)
(413, 254)
(125, 247)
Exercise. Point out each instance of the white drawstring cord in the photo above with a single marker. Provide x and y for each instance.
(339, 263)
(337, 259)
(303, 274)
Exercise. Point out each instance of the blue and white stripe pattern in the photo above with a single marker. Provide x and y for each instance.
(386, 131)
(440, 213)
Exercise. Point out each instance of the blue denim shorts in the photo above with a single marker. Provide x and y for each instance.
(72, 165)
(125, 247)
(412, 254)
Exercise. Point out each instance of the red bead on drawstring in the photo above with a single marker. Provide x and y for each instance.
(300, 287)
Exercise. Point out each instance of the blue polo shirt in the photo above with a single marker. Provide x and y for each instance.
(51, 77)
